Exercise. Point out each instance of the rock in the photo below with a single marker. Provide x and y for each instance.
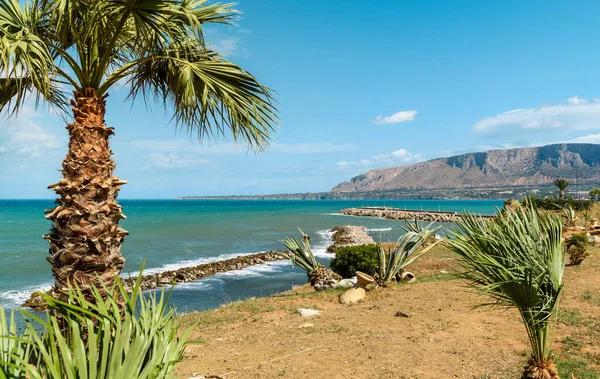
(325, 284)
(307, 325)
(346, 283)
(353, 295)
(401, 314)
(399, 214)
(305, 312)
(349, 235)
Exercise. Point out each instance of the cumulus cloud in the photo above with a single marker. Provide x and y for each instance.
(396, 118)
(397, 157)
(578, 114)
(576, 100)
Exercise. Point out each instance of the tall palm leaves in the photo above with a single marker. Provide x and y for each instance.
(562, 185)
(517, 259)
(158, 45)
(49, 47)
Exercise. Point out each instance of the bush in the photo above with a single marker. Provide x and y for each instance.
(576, 247)
(553, 204)
(350, 259)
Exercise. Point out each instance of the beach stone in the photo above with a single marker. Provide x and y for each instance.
(346, 283)
(305, 312)
(353, 295)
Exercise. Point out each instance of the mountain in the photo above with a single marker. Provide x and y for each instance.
(495, 168)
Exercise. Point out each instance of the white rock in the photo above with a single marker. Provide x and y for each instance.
(353, 295)
(346, 283)
(304, 312)
(307, 325)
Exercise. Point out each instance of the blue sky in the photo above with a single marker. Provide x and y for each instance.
(360, 85)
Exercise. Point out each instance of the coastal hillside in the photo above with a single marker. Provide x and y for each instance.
(495, 168)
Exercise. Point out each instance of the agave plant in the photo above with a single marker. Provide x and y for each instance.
(123, 335)
(404, 252)
(15, 350)
(570, 216)
(319, 276)
(517, 259)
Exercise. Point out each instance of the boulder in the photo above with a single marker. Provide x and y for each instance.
(305, 312)
(353, 295)
(346, 283)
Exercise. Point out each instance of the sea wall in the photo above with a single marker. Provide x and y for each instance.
(184, 274)
(349, 235)
(399, 214)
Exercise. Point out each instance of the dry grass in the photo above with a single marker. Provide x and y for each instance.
(443, 337)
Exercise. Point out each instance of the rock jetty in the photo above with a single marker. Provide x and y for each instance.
(399, 214)
(349, 235)
(184, 274)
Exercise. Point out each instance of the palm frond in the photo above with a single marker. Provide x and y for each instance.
(209, 95)
(517, 260)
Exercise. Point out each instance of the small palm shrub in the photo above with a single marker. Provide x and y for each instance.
(125, 335)
(349, 259)
(319, 276)
(576, 247)
(517, 259)
(404, 252)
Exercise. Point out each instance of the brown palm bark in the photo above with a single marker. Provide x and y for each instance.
(86, 238)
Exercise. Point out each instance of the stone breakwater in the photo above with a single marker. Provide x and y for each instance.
(399, 214)
(349, 235)
(184, 274)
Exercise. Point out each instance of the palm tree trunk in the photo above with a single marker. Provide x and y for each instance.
(561, 194)
(86, 238)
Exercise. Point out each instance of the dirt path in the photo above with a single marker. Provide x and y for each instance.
(442, 337)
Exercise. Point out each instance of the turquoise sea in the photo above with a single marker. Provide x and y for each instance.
(173, 233)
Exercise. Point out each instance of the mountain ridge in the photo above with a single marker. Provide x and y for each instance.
(494, 168)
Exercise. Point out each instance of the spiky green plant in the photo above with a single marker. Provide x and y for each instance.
(303, 256)
(15, 349)
(561, 184)
(518, 260)
(123, 335)
(404, 252)
(570, 216)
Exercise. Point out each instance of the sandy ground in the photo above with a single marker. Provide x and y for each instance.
(442, 337)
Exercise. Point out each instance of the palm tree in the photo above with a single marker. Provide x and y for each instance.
(158, 47)
(517, 259)
(594, 193)
(561, 184)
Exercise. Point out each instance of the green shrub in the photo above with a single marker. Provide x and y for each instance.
(553, 204)
(576, 246)
(350, 259)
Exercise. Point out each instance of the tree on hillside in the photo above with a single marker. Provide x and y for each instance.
(158, 47)
(561, 184)
(594, 193)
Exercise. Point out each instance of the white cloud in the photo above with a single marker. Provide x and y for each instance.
(576, 100)
(226, 46)
(565, 117)
(311, 148)
(397, 157)
(24, 135)
(590, 138)
(396, 118)
(172, 160)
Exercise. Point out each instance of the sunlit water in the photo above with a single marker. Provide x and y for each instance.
(174, 233)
